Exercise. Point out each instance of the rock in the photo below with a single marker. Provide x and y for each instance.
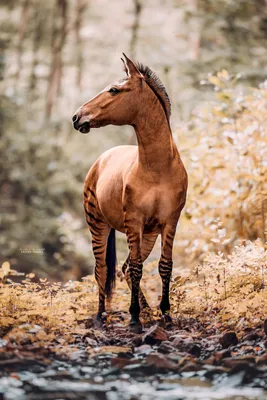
(125, 354)
(262, 360)
(119, 362)
(35, 329)
(166, 347)
(176, 339)
(110, 371)
(239, 363)
(194, 350)
(90, 342)
(190, 366)
(211, 348)
(232, 381)
(251, 337)
(182, 334)
(211, 372)
(155, 335)
(175, 357)
(113, 350)
(250, 372)
(140, 369)
(265, 327)
(187, 346)
(161, 362)
(25, 341)
(137, 341)
(144, 349)
(210, 361)
(77, 355)
(228, 339)
(219, 355)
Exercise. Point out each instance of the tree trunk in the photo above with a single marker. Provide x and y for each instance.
(80, 8)
(135, 27)
(59, 34)
(21, 34)
(38, 31)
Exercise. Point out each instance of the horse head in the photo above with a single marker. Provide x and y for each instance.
(116, 105)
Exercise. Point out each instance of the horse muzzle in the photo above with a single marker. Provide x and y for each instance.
(83, 127)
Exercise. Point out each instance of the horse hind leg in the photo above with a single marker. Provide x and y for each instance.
(99, 242)
(148, 243)
(100, 232)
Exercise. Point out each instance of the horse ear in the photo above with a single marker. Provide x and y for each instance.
(130, 68)
(125, 69)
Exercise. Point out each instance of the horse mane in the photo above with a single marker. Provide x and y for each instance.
(157, 86)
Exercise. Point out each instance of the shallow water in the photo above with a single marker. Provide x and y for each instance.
(66, 381)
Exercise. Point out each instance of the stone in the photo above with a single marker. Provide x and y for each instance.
(239, 363)
(155, 335)
(137, 341)
(219, 355)
(187, 345)
(251, 337)
(228, 339)
(144, 349)
(190, 366)
(160, 361)
(179, 338)
(90, 342)
(166, 347)
(262, 360)
(211, 372)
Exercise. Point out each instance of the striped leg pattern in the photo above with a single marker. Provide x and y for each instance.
(134, 238)
(147, 246)
(165, 269)
(100, 231)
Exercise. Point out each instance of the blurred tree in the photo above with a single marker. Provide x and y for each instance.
(25, 10)
(58, 40)
(80, 9)
(59, 53)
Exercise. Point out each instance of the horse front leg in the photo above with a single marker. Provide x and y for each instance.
(148, 242)
(142, 300)
(165, 268)
(135, 273)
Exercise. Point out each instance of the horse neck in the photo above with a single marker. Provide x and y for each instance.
(156, 147)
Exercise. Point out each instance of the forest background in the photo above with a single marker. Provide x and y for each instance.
(57, 54)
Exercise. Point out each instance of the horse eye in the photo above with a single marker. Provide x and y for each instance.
(114, 90)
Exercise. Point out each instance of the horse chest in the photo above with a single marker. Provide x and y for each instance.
(154, 204)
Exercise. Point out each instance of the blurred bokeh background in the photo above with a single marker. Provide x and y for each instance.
(57, 54)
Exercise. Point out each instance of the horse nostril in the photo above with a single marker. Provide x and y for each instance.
(74, 118)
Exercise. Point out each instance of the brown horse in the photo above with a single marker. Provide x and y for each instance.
(139, 190)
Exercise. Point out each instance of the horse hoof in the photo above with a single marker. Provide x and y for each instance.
(135, 327)
(100, 320)
(166, 320)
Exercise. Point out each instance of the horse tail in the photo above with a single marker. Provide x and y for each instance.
(111, 263)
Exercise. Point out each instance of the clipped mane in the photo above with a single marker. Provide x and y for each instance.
(157, 86)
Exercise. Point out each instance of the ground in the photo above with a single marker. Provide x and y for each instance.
(52, 347)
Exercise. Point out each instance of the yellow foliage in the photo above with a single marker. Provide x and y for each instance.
(225, 153)
(231, 288)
